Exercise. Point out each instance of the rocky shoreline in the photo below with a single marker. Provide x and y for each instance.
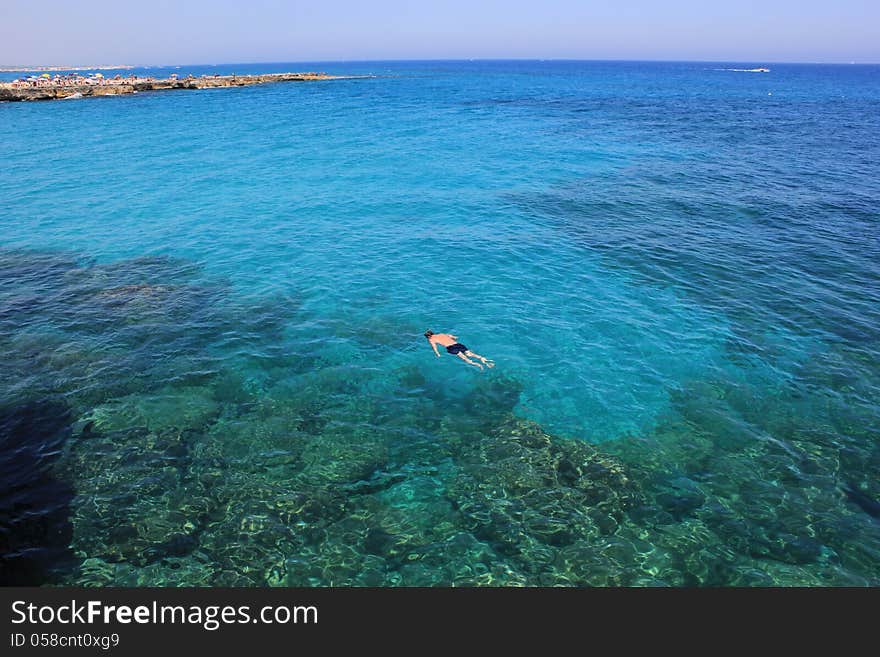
(52, 91)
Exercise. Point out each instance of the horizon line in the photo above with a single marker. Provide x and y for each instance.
(454, 59)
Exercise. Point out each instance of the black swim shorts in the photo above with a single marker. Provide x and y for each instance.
(456, 348)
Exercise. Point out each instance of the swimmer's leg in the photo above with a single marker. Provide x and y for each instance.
(488, 362)
(468, 360)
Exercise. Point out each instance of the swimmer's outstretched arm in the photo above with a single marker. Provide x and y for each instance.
(434, 347)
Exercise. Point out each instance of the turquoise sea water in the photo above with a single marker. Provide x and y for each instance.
(212, 306)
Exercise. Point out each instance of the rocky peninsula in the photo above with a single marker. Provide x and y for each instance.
(78, 87)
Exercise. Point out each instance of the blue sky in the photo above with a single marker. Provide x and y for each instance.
(84, 32)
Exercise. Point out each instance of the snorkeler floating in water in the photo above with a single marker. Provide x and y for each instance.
(455, 348)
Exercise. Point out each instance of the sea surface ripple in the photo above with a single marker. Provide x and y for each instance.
(212, 305)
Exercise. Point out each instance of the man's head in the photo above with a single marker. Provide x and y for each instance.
(429, 333)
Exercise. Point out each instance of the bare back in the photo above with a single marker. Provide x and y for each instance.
(443, 339)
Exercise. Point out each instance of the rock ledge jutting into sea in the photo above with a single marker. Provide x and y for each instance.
(54, 90)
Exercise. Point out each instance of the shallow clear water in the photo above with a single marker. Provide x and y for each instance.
(212, 305)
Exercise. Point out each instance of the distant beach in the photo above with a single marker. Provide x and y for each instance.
(43, 69)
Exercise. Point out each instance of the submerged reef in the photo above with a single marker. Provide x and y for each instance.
(532, 496)
(83, 341)
(161, 428)
(260, 501)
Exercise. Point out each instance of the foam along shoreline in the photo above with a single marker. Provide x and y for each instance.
(59, 88)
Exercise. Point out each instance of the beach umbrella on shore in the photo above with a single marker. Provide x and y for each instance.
(45, 75)
(98, 75)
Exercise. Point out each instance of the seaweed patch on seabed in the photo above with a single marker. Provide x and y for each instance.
(121, 349)
(756, 501)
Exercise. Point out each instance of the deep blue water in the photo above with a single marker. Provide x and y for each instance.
(212, 305)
